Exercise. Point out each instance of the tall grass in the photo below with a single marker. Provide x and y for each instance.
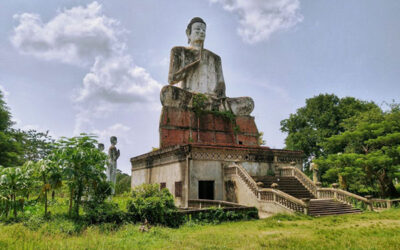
(368, 230)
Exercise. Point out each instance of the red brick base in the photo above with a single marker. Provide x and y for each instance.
(180, 126)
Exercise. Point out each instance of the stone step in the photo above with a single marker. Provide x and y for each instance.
(330, 207)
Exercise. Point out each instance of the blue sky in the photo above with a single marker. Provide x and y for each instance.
(84, 66)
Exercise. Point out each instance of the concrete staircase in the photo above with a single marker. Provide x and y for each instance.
(289, 185)
(317, 207)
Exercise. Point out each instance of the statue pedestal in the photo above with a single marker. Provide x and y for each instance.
(179, 126)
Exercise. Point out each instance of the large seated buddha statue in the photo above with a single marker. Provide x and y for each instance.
(195, 70)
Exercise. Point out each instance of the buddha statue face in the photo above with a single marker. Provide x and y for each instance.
(113, 140)
(197, 34)
(100, 146)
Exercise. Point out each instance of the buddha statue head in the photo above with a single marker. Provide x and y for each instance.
(196, 32)
(113, 140)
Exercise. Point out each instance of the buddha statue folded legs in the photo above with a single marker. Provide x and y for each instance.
(172, 96)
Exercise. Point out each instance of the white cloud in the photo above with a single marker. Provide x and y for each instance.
(119, 130)
(84, 36)
(259, 19)
(74, 36)
(117, 80)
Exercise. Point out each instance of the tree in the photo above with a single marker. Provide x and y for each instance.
(123, 182)
(35, 145)
(5, 115)
(49, 175)
(365, 157)
(13, 184)
(318, 120)
(10, 149)
(83, 167)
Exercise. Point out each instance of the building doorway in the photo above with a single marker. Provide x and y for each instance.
(206, 190)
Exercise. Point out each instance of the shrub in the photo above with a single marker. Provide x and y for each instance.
(218, 215)
(34, 222)
(106, 212)
(154, 205)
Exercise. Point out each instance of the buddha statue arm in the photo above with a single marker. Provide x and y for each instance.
(177, 69)
(220, 90)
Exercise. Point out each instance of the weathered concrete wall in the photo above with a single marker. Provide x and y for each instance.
(169, 174)
(257, 168)
(206, 171)
(246, 197)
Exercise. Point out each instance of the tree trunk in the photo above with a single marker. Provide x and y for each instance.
(45, 201)
(7, 207)
(45, 195)
(70, 202)
(387, 187)
(15, 206)
(78, 200)
(53, 195)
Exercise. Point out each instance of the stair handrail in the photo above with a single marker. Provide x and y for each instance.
(343, 193)
(379, 204)
(279, 197)
(303, 178)
(323, 193)
(284, 195)
(246, 177)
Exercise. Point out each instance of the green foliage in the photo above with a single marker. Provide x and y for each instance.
(260, 139)
(105, 212)
(5, 115)
(199, 107)
(14, 184)
(123, 183)
(270, 172)
(216, 215)
(199, 104)
(35, 145)
(83, 167)
(49, 174)
(319, 119)
(10, 148)
(366, 156)
(154, 205)
(11, 153)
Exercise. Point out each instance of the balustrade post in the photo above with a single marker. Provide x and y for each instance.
(274, 186)
(335, 186)
(307, 207)
(319, 185)
(370, 205)
(389, 204)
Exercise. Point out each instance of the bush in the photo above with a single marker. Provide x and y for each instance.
(34, 222)
(154, 205)
(218, 215)
(106, 212)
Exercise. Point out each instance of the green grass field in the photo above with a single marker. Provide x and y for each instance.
(362, 231)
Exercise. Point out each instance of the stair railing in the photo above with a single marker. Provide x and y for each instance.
(326, 193)
(381, 204)
(268, 194)
(299, 175)
(345, 197)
